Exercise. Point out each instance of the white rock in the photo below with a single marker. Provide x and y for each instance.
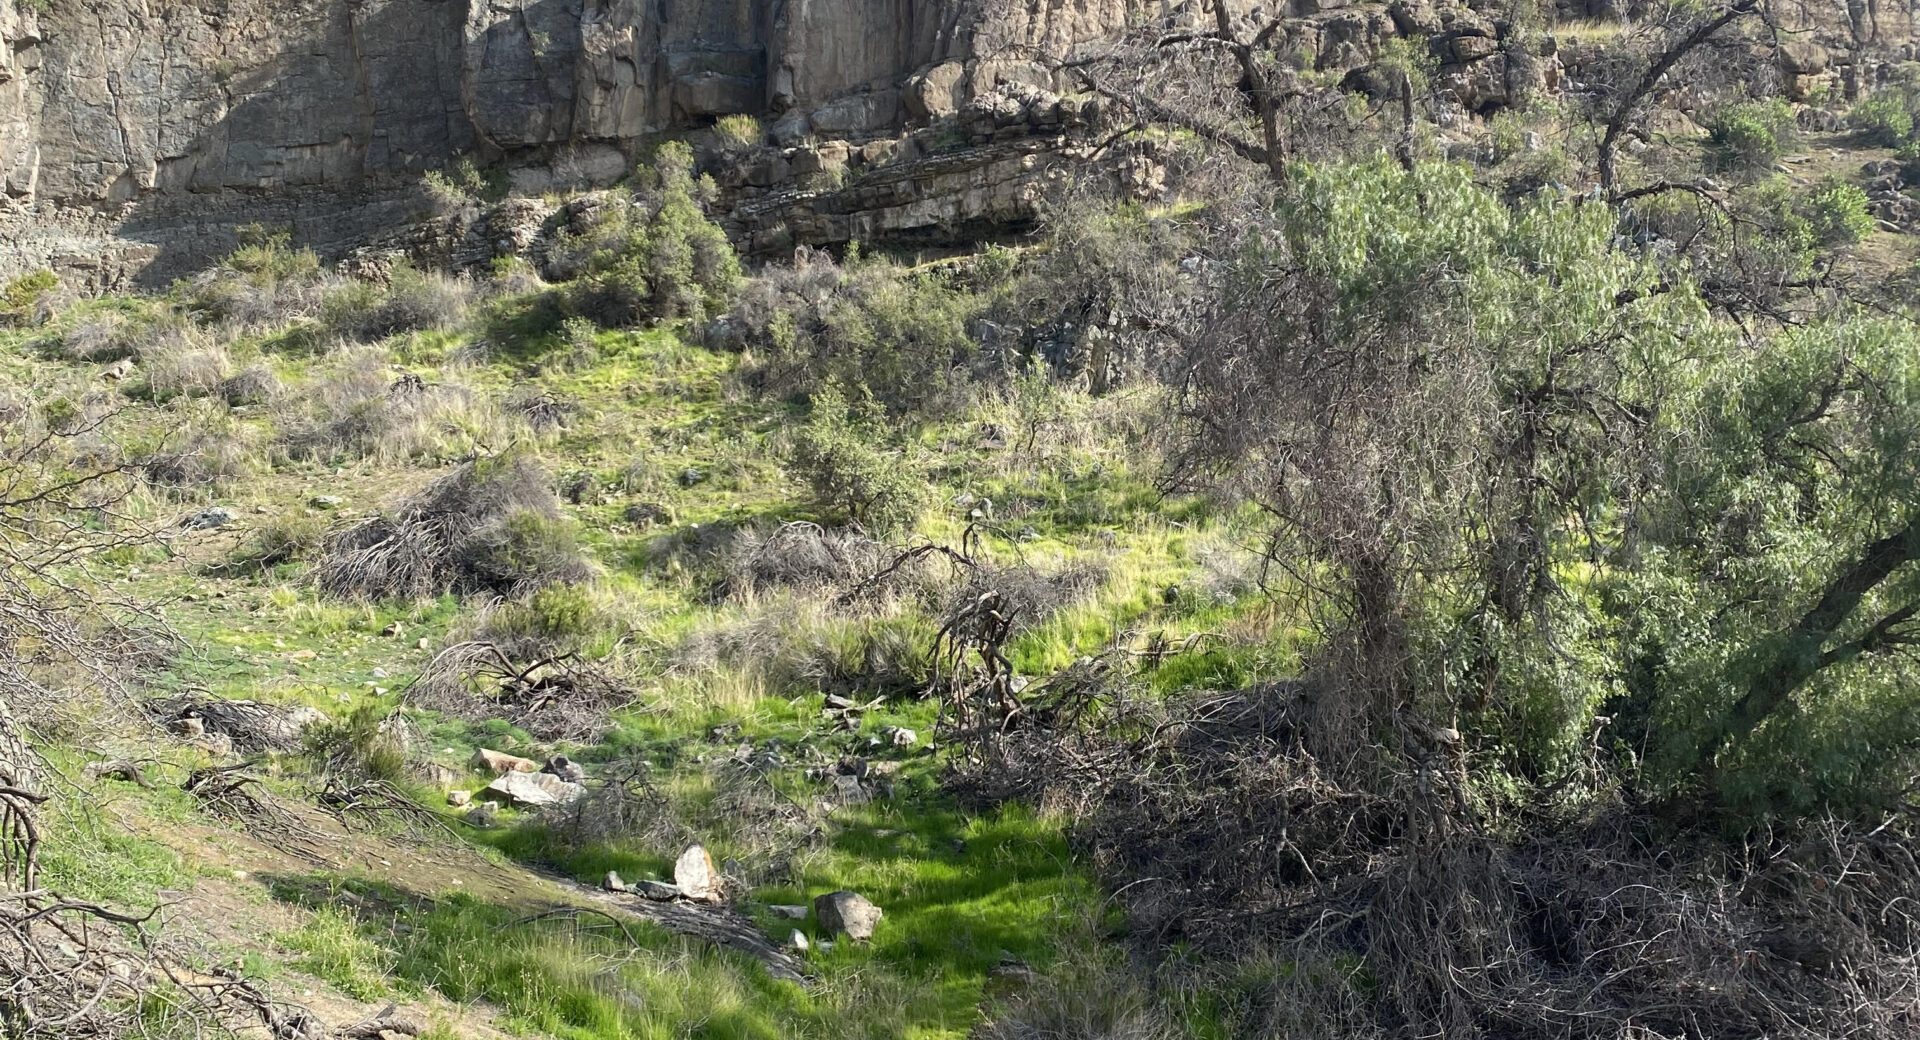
(697, 877)
(532, 790)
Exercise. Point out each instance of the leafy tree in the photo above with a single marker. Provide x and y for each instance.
(1774, 599)
(1438, 398)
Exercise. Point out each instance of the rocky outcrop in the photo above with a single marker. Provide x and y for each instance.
(136, 136)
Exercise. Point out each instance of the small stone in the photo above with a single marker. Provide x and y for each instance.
(690, 476)
(459, 798)
(325, 501)
(612, 883)
(565, 768)
(798, 940)
(379, 673)
(423, 644)
(483, 814)
(393, 630)
(788, 912)
(847, 913)
(900, 736)
(696, 876)
(658, 891)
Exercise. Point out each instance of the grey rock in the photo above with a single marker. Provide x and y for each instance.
(658, 891)
(211, 518)
(531, 790)
(325, 501)
(564, 768)
(613, 883)
(788, 912)
(847, 913)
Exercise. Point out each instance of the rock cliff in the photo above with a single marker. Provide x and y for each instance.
(136, 134)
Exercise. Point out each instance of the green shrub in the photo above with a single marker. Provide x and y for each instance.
(737, 132)
(1883, 117)
(849, 476)
(650, 253)
(880, 330)
(21, 297)
(1748, 137)
(464, 182)
(1837, 213)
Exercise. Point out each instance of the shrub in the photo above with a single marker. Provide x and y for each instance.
(254, 384)
(413, 301)
(282, 539)
(264, 282)
(1748, 137)
(463, 182)
(871, 326)
(649, 252)
(492, 525)
(177, 365)
(1837, 213)
(20, 299)
(1883, 117)
(737, 132)
(849, 476)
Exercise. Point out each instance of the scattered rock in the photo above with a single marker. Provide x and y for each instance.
(532, 790)
(696, 876)
(788, 912)
(423, 644)
(612, 883)
(798, 940)
(211, 518)
(848, 790)
(459, 798)
(690, 476)
(900, 736)
(393, 630)
(565, 768)
(483, 814)
(847, 913)
(499, 762)
(379, 673)
(325, 501)
(658, 891)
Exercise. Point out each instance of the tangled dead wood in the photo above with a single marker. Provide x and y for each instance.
(558, 698)
(1220, 826)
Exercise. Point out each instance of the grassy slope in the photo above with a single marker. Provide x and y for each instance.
(962, 891)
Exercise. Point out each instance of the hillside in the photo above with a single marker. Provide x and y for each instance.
(1370, 521)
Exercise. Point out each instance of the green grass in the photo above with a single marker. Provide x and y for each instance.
(962, 890)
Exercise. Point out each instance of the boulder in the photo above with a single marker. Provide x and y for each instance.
(531, 790)
(697, 877)
(658, 891)
(613, 883)
(459, 798)
(847, 913)
(499, 762)
(937, 92)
